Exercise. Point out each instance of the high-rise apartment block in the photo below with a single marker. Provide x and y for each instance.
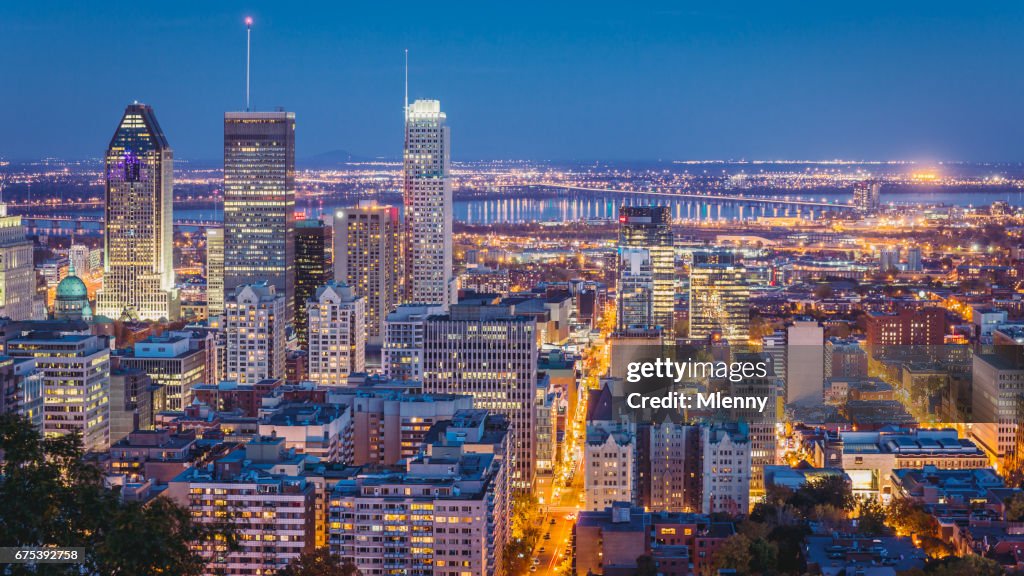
(337, 334)
(254, 328)
(368, 257)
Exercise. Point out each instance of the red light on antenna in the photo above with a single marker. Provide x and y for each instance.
(248, 20)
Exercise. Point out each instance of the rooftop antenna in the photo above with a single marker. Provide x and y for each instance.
(248, 58)
(407, 84)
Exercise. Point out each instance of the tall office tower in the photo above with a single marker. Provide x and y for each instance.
(867, 196)
(18, 297)
(259, 202)
(214, 272)
(719, 302)
(402, 352)
(138, 273)
(312, 268)
(726, 468)
(368, 257)
(427, 195)
(805, 357)
(482, 348)
(650, 228)
(76, 383)
(254, 333)
(635, 290)
(337, 334)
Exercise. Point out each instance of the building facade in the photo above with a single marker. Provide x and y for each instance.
(254, 328)
(259, 202)
(650, 228)
(337, 334)
(312, 268)
(368, 257)
(138, 273)
(427, 195)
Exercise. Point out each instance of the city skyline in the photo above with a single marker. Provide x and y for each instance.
(693, 82)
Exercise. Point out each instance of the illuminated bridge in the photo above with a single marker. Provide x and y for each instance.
(91, 225)
(764, 201)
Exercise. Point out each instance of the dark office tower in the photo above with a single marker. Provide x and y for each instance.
(259, 202)
(312, 268)
(138, 275)
(650, 228)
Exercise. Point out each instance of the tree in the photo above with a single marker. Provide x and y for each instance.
(908, 517)
(646, 566)
(52, 496)
(320, 563)
(972, 564)
(871, 517)
(1015, 508)
(733, 553)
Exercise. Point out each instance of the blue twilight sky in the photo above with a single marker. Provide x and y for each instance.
(529, 79)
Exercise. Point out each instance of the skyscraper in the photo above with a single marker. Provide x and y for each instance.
(214, 272)
(259, 201)
(867, 196)
(18, 297)
(138, 275)
(427, 195)
(337, 334)
(254, 329)
(650, 228)
(719, 302)
(312, 268)
(635, 290)
(367, 257)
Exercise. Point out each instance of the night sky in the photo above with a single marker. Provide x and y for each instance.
(547, 80)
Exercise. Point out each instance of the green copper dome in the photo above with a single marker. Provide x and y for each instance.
(72, 288)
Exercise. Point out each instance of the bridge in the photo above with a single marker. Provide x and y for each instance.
(91, 225)
(717, 198)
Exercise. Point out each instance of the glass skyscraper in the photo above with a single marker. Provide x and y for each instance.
(428, 204)
(313, 268)
(138, 274)
(259, 202)
(650, 228)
